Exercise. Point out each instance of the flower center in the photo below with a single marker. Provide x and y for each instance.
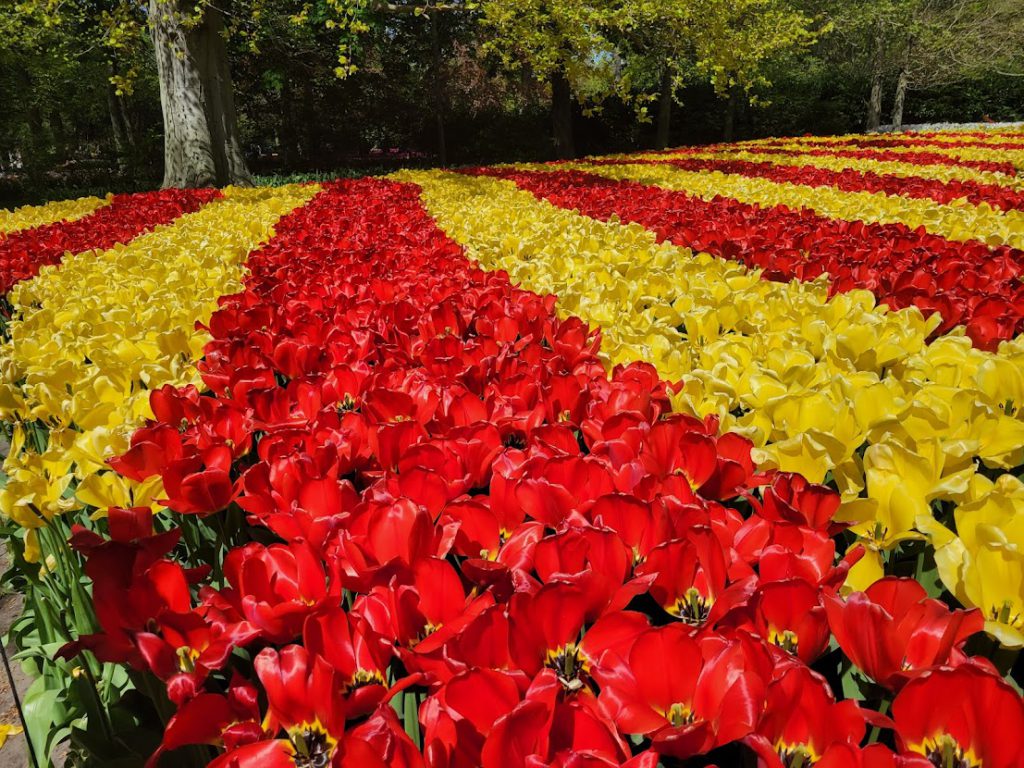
(514, 440)
(693, 608)
(187, 657)
(1005, 614)
(795, 755)
(787, 640)
(313, 747)
(945, 752)
(570, 665)
(680, 714)
(363, 678)
(428, 629)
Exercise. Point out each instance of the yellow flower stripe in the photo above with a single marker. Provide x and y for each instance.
(865, 165)
(948, 137)
(85, 367)
(29, 216)
(796, 148)
(958, 220)
(979, 152)
(811, 380)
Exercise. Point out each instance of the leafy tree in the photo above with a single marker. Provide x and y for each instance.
(566, 44)
(201, 145)
(930, 44)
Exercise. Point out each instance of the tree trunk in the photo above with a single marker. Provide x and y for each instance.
(311, 138)
(37, 143)
(729, 129)
(201, 146)
(289, 140)
(116, 126)
(561, 116)
(438, 91)
(129, 129)
(220, 104)
(120, 125)
(60, 134)
(877, 70)
(664, 110)
(901, 91)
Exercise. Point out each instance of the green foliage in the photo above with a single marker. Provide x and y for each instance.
(297, 115)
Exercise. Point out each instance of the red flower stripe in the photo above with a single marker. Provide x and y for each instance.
(919, 141)
(22, 253)
(967, 283)
(851, 180)
(914, 158)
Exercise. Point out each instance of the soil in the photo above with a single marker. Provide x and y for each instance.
(15, 752)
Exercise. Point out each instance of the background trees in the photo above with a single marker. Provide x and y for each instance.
(116, 94)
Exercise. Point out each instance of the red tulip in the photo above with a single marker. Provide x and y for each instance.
(357, 654)
(549, 727)
(803, 723)
(594, 559)
(460, 717)
(303, 700)
(894, 630)
(960, 717)
(789, 614)
(277, 587)
(690, 578)
(134, 586)
(688, 695)
(792, 499)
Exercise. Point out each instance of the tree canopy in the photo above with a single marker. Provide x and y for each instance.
(297, 85)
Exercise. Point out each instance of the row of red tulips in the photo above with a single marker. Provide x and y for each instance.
(852, 180)
(923, 140)
(125, 217)
(967, 283)
(922, 157)
(444, 536)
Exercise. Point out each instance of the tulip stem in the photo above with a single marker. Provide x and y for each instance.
(105, 723)
(410, 716)
(876, 730)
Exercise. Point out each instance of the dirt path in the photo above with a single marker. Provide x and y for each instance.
(15, 752)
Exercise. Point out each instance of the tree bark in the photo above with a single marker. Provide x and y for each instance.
(664, 111)
(60, 134)
(116, 126)
(289, 140)
(201, 146)
(311, 136)
(220, 103)
(561, 116)
(877, 70)
(120, 125)
(37, 139)
(729, 129)
(901, 90)
(438, 87)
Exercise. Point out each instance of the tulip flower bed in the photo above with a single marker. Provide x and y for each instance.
(705, 457)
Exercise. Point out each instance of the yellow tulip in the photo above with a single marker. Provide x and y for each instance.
(983, 563)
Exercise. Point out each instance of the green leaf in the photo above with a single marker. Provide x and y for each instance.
(42, 714)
